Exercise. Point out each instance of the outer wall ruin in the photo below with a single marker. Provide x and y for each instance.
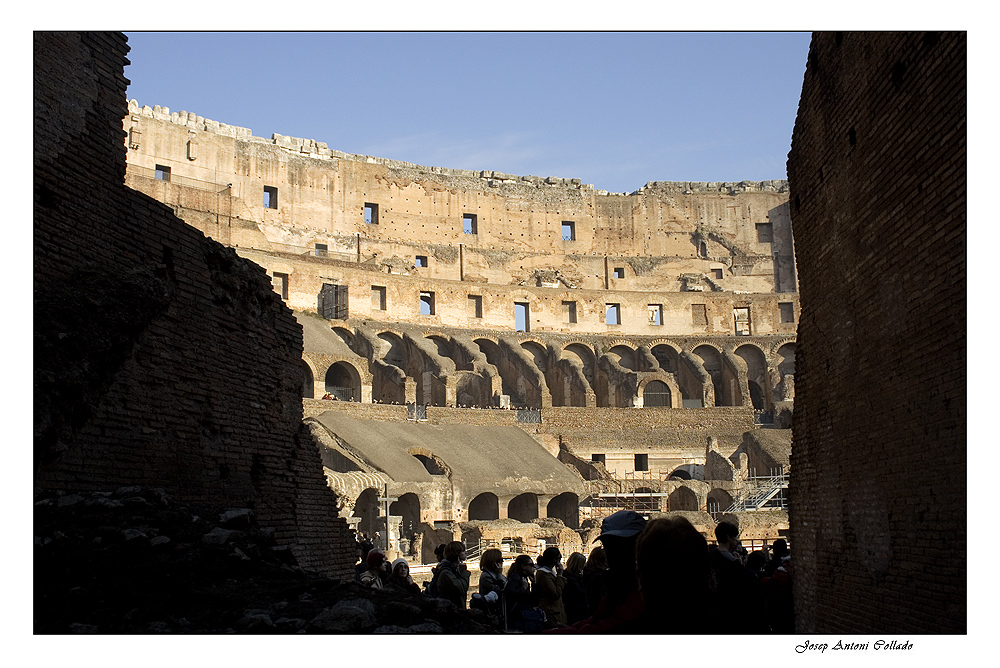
(162, 359)
(877, 175)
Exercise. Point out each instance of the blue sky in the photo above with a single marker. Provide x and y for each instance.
(616, 109)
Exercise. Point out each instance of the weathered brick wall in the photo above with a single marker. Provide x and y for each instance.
(162, 358)
(878, 487)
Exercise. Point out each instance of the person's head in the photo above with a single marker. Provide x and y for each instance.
(523, 565)
(618, 534)
(671, 560)
(439, 552)
(454, 551)
(726, 535)
(376, 560)
(575, 563)
(757, 560)
(550, 557)
(364, 547)
(597, 558)
(492, 560)
(779, 548)
(400, 569)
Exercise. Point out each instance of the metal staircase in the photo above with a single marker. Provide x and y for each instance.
(761, 492)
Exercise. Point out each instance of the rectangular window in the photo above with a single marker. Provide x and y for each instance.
(765, 233)
(787, 310)
(469, 224)
(378, 297)
(280, 283)
(426, 303)
(717, 274)
(420, 261)
(699, 315)
(521, 315)
(371, 213)
(742, 318)
(619, 272)
(642, 462)
(270, 197)
(655, 314)
(476, 306)
(321, 250)
(598, 459)
(568, 230)
(333, 301)
(162, 173)
(614, 314)
(569, 311)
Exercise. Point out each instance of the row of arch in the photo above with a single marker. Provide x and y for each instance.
(441, 370)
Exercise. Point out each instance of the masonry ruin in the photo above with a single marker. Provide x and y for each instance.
(621, 350)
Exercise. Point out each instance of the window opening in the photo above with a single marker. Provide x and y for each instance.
(270, 197)
(742, 318)
(321, 250)
(765, 233)
(421, 261)
(568, 230)
(569, 311)
(717, 274)
(699, 315)
(642, 462)
(598, 458)
(614, 314)
(426, 303)
(655, 314)
(371, 213)
(378, 297)
(619, 272)
(280, 283)
(162, 173)
(787, 310)
(476, 306)
(521, 317)
(333, 301)
(469, 225)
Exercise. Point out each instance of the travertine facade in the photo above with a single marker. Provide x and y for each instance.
(477, 290)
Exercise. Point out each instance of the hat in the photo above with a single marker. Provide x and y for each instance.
(397, 562)
(624, 524)
(375, 558)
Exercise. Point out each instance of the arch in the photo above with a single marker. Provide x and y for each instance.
(681, 472)
(666, 357)
(786, 359)
(308, 383)
(430, 464)
(343, 381)
(491, 349)
(656, 393)
(757, 378)
(712, 361)
(720, 499)
(565, 507)
(396, 355)
(366, 507)
(538, 354)
(523, 507)
(485, 506)
(346, 335)
(625, 356)
(682, 498)
(407, 507)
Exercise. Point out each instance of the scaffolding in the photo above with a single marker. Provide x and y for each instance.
(762, 492)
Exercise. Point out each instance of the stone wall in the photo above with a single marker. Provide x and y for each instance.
(162, 359)
(878, 476)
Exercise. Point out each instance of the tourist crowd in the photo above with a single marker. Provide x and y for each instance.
(659, 576)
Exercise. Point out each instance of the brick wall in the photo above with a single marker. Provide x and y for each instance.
(144, 327)
(878, 486)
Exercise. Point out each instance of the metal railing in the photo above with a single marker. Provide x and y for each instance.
(759, 491)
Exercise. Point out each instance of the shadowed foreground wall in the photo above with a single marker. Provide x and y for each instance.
(878, 482)
(144, 327)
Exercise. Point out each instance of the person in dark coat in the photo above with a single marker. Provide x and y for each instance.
(453, 582)
(400, 579)
(594, 574)
(491, 582)
(549, 584)
(739, 597)
(574, 594)
(518, 594)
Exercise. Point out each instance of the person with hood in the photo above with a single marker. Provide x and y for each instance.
(378, 570)
(453, 578)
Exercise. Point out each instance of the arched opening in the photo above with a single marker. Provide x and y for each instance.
(680, 473)
(666, 357)
(307, 381)
(366, 507)
(756, 396)
(786, 355)
(486, 507)
(343, 382)
(757, 379)
(624, 355)
(682, 498)
(565, 507)
(407, 507)
(523, 508)
(396, 355)
(537, 353)
(656, 393)
(431, 464)
(719, 501)
(713, 365)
